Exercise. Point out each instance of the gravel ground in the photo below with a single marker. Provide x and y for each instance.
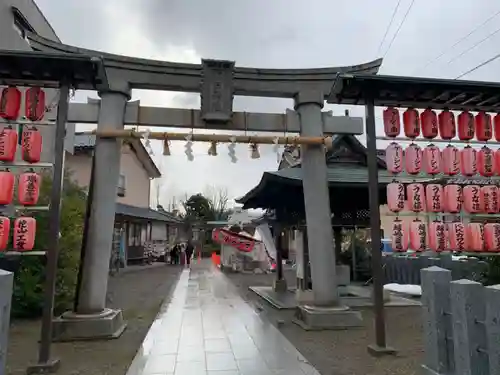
(344, 352)
(139, 293)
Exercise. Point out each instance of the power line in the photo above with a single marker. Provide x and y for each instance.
(457, 42)
(474, 46)
(399, 28)
(388, 26)
(490, 60)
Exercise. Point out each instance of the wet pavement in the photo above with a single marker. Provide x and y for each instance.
(207, 329)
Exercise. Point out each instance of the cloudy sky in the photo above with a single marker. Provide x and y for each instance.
(276, 34)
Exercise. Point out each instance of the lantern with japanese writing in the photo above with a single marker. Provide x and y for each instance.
(394, 158)
(4, 232)
(473, 199)
(396, 196)
(466, 126)
(8, 144)
(432, 159)
(452, 198)
(413, 159)
(34, 106)
(429, 122)
(490, 199)
(496, 154)
(28, 188)
(24, 233)
(496, 127)
(6, 187)
(437, 236)
(392, 124)
(447, 128)
(411, 123)
(486, 162)
(32, 145)
(400, 236)
(492, 237)
(451, 160)
(418, 235)
(457, 236)
(475, 236)
(468, 161)
(10, 103)
(484, 131)
(434, 198)
(416, 197)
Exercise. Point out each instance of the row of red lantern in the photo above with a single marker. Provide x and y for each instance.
(24, 233)
(10, 103)
(450, 161)
(431, 125)
(436, 198)
(28, 190)
(31, 145)
(438, 236)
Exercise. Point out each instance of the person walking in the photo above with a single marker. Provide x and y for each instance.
(174, 254)
(189, 252)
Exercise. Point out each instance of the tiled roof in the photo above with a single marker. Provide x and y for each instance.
(145, 213)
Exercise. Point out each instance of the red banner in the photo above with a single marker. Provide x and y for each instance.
(240, 242)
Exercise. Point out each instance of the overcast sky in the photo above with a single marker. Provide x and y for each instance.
(275, 34)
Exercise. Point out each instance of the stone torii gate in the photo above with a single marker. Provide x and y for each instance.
(217, 82)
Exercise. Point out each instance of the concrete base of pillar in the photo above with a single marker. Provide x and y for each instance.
(304, 297)
(314, 318)
(50, 367)
(70, 326)
(279, 286)
(379, 351)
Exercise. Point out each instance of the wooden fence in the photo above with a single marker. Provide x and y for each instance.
(461, 325)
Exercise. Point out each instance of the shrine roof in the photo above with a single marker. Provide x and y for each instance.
(49, 69)
(416, 92)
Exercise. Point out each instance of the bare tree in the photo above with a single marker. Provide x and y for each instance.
(219, 198)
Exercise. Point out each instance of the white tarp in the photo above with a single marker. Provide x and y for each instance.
(263, 233)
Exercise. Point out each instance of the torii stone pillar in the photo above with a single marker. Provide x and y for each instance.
(325, 311)
(92, 319)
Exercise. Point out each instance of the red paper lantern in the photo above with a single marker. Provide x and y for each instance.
(486, 163)
(457, 236)
(400, 236)
(429, 121)
(6, 187)
(473, 199)
(413, 159)
(4, 232)
(451, 160)
(496, 127)
(10, 103)
(418, 235)
(434, 198)
(437, 236)
(29, 188)
(396, 196)
(468, 161)
(8, 144)
(492, 237)
(394, 158)
(475, 236)
(392, 124)
(432, 159)
(447, 128)
(484, 129)
(452, 198)
(490, 199)
(24, 233)
(34, 106)
(466, 126)
(416, 197)
(411, 123)
(497, 161)
(32, 145)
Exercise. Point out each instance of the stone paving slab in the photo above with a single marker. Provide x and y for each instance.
(207, 329)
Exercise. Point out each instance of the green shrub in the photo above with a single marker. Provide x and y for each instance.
(27, 301)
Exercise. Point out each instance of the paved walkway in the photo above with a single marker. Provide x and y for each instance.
(207, 329)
